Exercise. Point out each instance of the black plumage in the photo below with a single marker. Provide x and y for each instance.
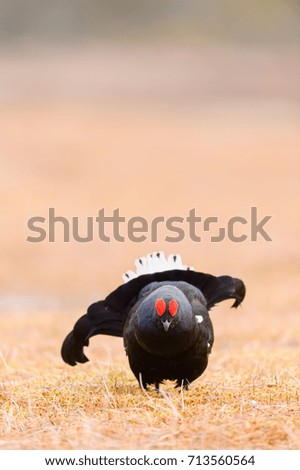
(163, 318)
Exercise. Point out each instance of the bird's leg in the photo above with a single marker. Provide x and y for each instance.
(156, 385)
(185, 384)
(143, 385)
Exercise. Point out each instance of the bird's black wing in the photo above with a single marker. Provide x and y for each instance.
(108, 316)
(217, 289)
(214, 288)
(99, 319)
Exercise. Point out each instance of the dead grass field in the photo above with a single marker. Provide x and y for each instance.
(145, 131)
(247, 399)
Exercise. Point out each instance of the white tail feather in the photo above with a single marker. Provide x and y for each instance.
(154, 263)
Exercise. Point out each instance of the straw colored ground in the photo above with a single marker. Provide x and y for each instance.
(247, 399)
(154, 132)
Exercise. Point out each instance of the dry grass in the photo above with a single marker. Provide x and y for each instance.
(247, 399)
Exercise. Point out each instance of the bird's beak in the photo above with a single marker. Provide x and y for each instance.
(166, 325)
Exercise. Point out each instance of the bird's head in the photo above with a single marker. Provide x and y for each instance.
(166, 310)
(165, 321)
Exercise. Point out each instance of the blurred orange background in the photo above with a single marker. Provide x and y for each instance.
(153, 109)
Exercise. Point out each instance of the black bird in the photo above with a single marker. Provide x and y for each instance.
(162, 314)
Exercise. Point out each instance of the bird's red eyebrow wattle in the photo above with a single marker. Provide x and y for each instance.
(173, 307)
(160, 306)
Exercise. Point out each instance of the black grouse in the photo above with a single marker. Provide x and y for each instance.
(162, 314)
